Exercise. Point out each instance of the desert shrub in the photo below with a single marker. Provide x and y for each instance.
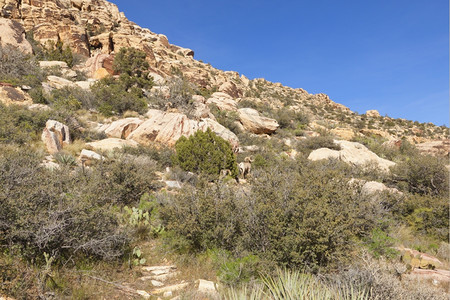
(424, 213)
(71, 99)
(288, 118)
(20, 125)
(57, 51)
(55, 212)
(296, 217)
(125, 93)
(163, 155)
(205, 153)
(18, 68)
(114, 97)
(425, 175)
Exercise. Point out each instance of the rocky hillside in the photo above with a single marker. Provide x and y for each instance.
(96, 29)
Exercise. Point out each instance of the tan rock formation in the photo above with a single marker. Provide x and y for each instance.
(13, 34)
(373, 187)
(352, 153)
(10, 95)
(122, 128)
(55, 82)
(223, 101)
(344, 133)
(253, 122)
(231, 89)
(55, 136)
(372, 113)
(101, 73)
(167, 128)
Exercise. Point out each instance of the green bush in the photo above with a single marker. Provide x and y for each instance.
(114, 97)
(20, 125)
(205, 153)
(68, 212)
(425, 175)
(18, 68)
(296, 217)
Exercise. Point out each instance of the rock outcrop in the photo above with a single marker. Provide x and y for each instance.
(373, 113)
(223, 101)
(55, 136)
(10, 95)
(166, 128)
(122, 128)
(352, 153)
(13, 34)
(253, 122)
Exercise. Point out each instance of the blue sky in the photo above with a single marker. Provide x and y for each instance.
(392, 56)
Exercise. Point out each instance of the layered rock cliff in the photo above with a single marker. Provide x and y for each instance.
(96, 29)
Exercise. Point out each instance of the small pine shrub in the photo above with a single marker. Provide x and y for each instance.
(205, 153)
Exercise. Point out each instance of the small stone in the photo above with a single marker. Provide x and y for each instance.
(156, 283)
(168, 294)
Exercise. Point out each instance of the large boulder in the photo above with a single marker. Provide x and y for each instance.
(223, 101)
(122, 128)
(231, 89)
(13, 34)
(373, 113)
(55, 135)
(253, 122)
(352, 153)
(374, 187)
(10, 95)
(166, 128)
(55, 82)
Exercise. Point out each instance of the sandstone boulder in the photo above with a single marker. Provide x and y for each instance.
(222, 101)
(55, 82)
(100, 73)
(166, 128)
(372, 113)
(87, 156)
(231, 89)
(111, 144)
(343, 133)
(10, 95)
(13, 34)
(352, 153)
(376, 132)
(122, 128)
(55, 135)
(373, 187)
(253, 122)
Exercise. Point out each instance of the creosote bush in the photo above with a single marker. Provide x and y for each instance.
(205, 153)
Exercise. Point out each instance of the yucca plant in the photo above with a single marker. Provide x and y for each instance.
(245, 292)
(65, 159)
(294, 285)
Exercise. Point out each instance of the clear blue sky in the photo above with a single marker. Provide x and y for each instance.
(392, 56)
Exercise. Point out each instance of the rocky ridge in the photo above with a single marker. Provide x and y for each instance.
(96, 29)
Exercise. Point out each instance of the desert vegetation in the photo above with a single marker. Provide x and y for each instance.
(291, 228)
